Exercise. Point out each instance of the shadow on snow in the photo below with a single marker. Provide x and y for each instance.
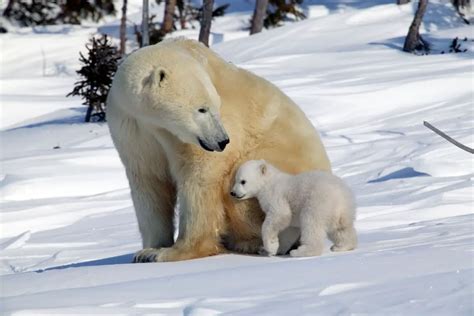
(407, 172)
(122, 259)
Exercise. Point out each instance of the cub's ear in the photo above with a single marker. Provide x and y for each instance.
(263, 169)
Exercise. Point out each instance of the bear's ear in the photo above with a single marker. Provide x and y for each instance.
(155, 76)
(263, 169)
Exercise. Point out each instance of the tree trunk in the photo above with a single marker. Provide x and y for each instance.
(403, 2)
(464, 8)
(181, 8)
(206, 20)
(413, 39)
(258, 16)
(9, 7)
(461, 3)
(123, 28)
(167, 25)
(145, 34)
(87, 119)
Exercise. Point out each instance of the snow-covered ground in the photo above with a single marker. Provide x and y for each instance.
(67, 226)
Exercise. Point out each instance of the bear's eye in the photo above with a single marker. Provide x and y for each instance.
(242, 182)
(202, 110)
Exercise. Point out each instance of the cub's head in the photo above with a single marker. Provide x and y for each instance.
(170, 89)
(249, 179)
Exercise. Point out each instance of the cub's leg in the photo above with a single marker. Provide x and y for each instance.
(344, 238)
(312, 235)
(276, 220)
(288, 238)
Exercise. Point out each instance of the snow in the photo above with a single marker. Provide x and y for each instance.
(68, 230)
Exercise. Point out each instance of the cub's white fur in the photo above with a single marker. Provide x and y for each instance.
(317, 202)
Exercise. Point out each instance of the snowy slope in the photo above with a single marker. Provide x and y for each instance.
(67, 226)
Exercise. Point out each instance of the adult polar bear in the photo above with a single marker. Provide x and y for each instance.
(172, 109)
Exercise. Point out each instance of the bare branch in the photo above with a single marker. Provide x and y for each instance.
(449, 139)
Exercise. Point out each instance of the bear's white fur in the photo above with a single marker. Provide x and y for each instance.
(318, 202)
(173, 103)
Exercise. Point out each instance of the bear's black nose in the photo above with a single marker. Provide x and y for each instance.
(223, 143)
(232, 193)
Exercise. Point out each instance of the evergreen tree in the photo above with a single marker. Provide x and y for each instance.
(96, 75)
(282, 10)
(46, 12)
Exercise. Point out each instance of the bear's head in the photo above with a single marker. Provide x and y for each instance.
(249, 179)
(174, 92)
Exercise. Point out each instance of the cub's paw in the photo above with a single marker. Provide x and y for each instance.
(271, 247)
(342, 248)
(263, 252)
(304, 251)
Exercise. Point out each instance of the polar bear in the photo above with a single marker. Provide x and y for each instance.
(182, 120)
(316, 201)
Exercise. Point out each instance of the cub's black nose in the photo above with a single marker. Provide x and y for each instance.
(223, 143)
(232, 193)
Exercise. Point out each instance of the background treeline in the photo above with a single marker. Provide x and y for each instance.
(101, 61)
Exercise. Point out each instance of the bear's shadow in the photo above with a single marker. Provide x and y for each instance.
(122, 259)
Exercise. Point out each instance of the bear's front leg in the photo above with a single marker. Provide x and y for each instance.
(154, 202)
(201, 224)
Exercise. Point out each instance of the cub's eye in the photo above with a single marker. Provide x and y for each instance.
(202, 110)
(242, 182)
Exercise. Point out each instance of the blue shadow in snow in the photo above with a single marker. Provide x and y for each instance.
(77, 117)
(437, 45)
(407, 172)
(123, 259)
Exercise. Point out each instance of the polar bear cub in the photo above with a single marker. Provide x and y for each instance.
(317, 202)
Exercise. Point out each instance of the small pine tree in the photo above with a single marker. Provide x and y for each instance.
(280, 10)
(47, 12)
(97, 73)
(73, 11)
(31, 13)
